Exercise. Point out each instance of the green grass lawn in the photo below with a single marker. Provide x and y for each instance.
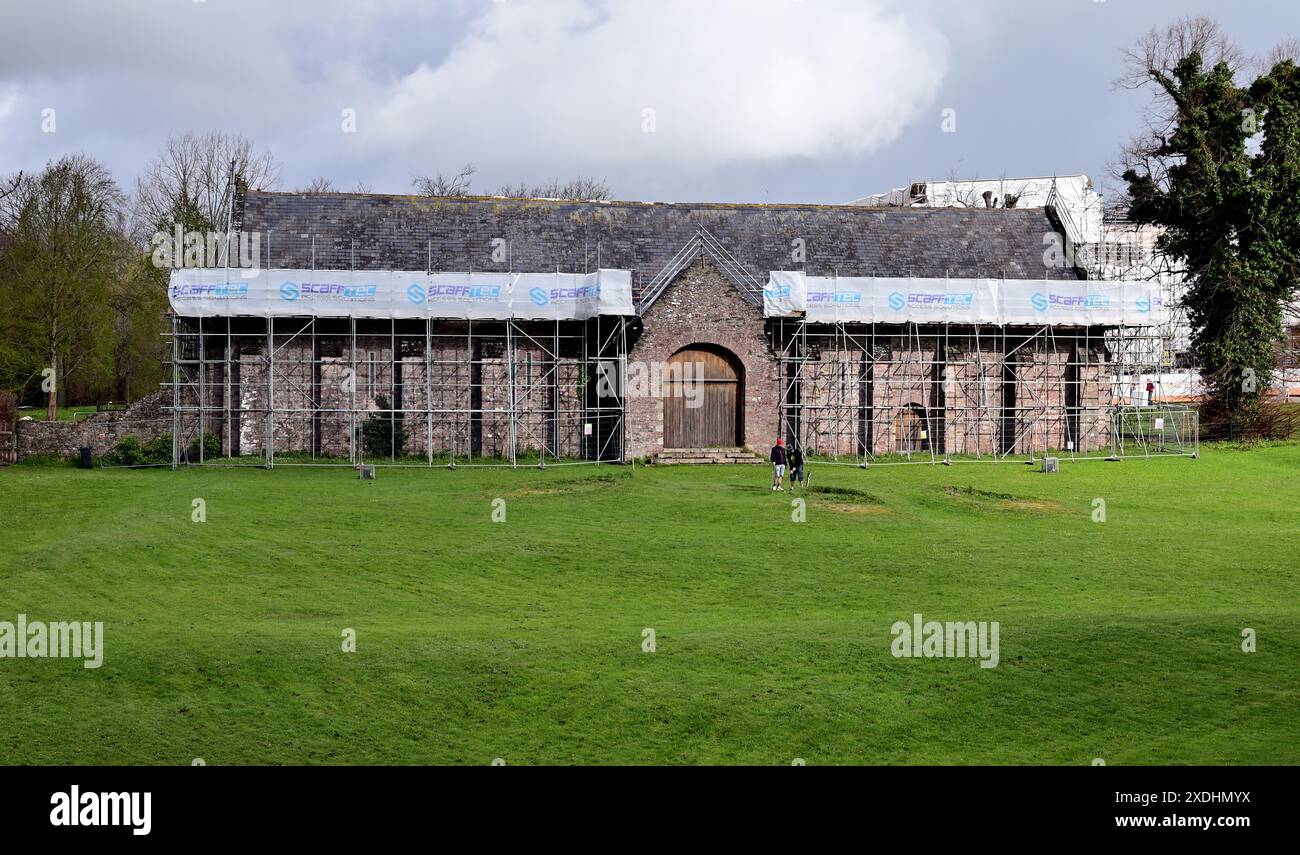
(523, 640)
(65, 414)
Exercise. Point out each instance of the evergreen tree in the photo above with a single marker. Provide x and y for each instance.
(1220, 174)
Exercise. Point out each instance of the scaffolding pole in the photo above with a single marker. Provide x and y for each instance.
(924, 393)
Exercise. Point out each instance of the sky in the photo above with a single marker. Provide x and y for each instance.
(818, 101)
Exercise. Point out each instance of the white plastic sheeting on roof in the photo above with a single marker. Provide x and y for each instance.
(220, 292)
(1075, 199)
(970, 301)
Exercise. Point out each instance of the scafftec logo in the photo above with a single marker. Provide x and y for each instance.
(219, 291)
(1041, 301)
(834, 297)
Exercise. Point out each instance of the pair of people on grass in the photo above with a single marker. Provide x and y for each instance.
(780, 459)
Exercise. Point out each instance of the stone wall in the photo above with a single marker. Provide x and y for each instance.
(144, 419)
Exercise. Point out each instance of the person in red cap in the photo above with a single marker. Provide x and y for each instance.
(778, 464)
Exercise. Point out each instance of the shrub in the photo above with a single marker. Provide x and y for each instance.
(211, 447)
(127, 452)
(1257, 421)
(158, 449)
(383, 433)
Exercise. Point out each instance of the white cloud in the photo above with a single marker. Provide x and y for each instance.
(730, 81)
(526, 89)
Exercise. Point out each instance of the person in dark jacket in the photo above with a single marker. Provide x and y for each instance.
(796, 467)
(778, 464)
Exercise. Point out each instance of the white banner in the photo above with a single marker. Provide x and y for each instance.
(785, 294)
(196, 292)
(1084, 302)
(572, 295)
(968, 301)
(466, 296)
(839, 298)
(209, 292)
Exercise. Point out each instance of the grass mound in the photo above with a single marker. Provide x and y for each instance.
(1002, 501)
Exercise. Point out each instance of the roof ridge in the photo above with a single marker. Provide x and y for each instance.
(418, 198)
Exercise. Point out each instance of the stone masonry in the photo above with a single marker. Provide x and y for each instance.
(145, 420)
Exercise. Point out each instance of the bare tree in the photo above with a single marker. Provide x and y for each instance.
(1150, 64)
(1288, 48)
(965, 192)
(13, 185)
(319, 184)
(581, 188)
(1152, 60)
(193, 173)
(445, 185)
(1138, 154)
(1158, 52)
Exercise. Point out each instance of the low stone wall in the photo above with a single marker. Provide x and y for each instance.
(144, 419)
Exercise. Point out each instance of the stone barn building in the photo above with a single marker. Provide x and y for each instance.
(697, 331)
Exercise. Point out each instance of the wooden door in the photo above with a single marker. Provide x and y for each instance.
(908, 431)
(702, 393)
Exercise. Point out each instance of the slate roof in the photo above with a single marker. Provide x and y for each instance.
(376, 232)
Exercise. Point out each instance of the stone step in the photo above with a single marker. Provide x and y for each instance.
(695, 461)
(738, 457)
(680, 456)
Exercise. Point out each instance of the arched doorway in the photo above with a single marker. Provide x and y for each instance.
(703, 391)
(909, 430)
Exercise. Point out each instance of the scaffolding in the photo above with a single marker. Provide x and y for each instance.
(339, 391)
(865, 394)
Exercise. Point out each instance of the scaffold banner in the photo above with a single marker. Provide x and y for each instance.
(218, 292)
(972, 301)
(785, 294)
